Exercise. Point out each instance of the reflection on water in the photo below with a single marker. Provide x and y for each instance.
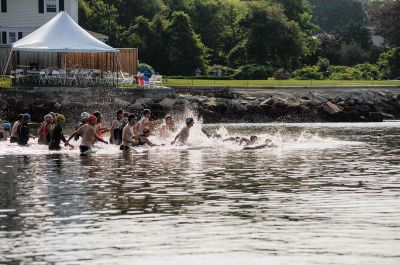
(329, 194)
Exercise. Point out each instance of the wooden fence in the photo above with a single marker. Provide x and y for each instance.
(128, 58)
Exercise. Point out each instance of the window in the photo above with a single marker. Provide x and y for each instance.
(3, 6)
(12, 37)
(51, 6)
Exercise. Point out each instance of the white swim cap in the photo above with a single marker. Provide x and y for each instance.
(84, 115)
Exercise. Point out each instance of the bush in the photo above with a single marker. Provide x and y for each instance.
(146, 69)
(225, 71)
(340, 72)
(389, 64)
(253, 71)
(308, 72)
(358, 72)
(203, 77)
(352, 54)
(281, 74)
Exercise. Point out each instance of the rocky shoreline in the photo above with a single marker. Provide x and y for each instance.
(212, 104)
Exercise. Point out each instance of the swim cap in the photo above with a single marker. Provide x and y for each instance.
(60, 117)
(48, 118)
(92, 118)
(7, 125)
(146, 131)
(84, 115)
(189, 121)
(27, 117)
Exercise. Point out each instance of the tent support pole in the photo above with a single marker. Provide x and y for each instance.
(117, 68)
(65, 68)
(7, 63)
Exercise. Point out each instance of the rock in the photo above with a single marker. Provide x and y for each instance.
(121, 102)
(168, 103)
(236, 106)
(268, 101)
(57, 105)
(387, 116)
(375, 116)
(142, 102)
(331, 108)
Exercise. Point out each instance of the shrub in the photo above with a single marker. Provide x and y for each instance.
(352, 54)
(358, 72)
(308, 72)
(225, 71)
(146, 69)
(253, 71)
(389, 64)
(204, 77)
(281, 74)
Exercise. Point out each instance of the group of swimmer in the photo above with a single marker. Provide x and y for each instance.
(127, 131)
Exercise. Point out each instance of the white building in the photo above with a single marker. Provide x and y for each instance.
(18, 18)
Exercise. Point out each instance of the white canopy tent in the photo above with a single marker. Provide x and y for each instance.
(62, 35)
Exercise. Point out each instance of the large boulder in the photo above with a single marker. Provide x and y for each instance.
(168, 103)
(331, 108)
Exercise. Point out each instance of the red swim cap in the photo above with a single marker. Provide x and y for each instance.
(92, 118)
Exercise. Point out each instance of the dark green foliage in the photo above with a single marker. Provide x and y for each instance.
(253, 71)
(389, 64)
(185, 51)
(271, 38)
(335, 15)
(352, 54)
(387, 22)
(308, 72)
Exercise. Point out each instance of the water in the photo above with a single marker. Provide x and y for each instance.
(328, 194)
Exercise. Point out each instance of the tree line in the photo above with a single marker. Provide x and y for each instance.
(247, 39)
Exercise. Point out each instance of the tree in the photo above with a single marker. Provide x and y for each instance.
(95, 15)
(271, 38)
(333, 15)
(352, 54)
(387, 22)
(185, 51)
(130, 9)
(389, 64)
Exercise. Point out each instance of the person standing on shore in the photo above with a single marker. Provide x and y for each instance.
(14, 129)
(89, 135)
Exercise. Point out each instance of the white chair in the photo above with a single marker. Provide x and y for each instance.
(73, 77)
(43, 78)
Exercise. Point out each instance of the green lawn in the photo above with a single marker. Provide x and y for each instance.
(272, 83)
(5, 82)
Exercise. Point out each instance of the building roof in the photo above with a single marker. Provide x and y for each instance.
(98, 36)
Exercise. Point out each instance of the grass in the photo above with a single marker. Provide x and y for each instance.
(276, 83)
(5, 82)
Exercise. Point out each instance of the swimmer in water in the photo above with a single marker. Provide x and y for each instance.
(145, 122)
(268, 144)
(6, 132)
(143, 138)
(99, 125)
(23, 131)
(14, 129)
(115, 131)
(89, 135)
(213, 136)
(167, 127)
(57, 134)
(183, 135)
(44, 130)
(253, 140)
(82, 121)
(128, 134)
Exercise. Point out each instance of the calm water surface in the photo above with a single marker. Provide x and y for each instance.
(328, 194)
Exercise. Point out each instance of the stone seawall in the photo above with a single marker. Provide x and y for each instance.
(214, 104)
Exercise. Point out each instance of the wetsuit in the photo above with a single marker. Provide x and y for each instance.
(44, 134)
(139, 140)
(56, 137)
(23, 133)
